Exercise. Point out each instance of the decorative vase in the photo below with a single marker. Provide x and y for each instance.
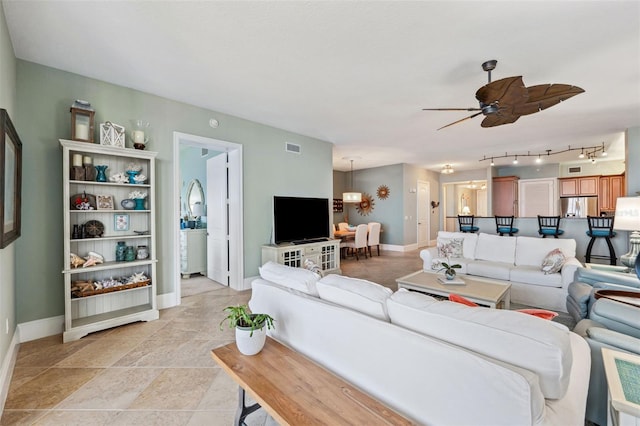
(143, 253)
(450, 274)
(130, 254)
(132, 175)
(76, 232)
(121, 249)
(139, 203)
(250, 343)
(101, 176)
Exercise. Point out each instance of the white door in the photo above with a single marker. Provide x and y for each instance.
(424, 194)
(217, 219)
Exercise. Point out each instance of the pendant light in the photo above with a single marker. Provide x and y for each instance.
(351, 197)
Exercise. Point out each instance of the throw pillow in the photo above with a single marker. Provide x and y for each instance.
(553, 261)
(450, 247)
(540, 313)
(459, 299)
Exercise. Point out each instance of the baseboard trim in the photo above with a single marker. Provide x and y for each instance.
(167, 300)
(38, 329)
(6, 370)
(393, 247)
(246, 284)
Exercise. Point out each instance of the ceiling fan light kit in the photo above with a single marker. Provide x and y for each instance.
(504, 101)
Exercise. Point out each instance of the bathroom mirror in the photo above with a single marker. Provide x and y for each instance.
(195, 194)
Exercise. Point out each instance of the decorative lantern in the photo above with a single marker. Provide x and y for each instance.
(82, 118)
(138, 136)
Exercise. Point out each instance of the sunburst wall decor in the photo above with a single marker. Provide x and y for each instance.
(366, 205)
(383, 192)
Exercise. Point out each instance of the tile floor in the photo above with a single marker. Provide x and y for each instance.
(155, 373)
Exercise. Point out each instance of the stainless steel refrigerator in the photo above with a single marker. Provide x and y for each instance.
(579, 206)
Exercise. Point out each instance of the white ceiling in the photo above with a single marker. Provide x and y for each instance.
(358, 73)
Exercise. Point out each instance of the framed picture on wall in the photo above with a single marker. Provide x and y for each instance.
(10, 180)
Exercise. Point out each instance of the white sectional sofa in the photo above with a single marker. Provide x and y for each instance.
(517, 260)
(435, 362)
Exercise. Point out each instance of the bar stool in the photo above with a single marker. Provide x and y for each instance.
(601, 227)
(548, 225)
(504, 225)
(466, 223)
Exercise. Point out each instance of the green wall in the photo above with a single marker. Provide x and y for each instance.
(44, 96)
(8, 254)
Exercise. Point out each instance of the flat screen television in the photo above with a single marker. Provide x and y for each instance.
(298, 220)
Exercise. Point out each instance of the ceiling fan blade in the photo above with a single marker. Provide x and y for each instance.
(506, 91)
(451, 109)
(460, 121)
(499, 118)
(544, 96)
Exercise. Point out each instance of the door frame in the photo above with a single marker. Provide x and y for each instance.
(426, 184)
(236, 238)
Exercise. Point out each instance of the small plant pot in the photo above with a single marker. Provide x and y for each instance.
(450, 274)
(250, 343)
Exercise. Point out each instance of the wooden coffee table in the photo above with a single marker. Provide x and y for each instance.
(483, 291)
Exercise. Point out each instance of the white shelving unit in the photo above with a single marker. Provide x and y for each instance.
(84, 315)
(326, 254)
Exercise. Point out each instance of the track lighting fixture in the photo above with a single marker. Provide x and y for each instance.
(588, 152)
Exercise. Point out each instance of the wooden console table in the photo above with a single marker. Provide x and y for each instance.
(295, 391)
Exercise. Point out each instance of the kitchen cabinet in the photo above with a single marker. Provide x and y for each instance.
(579, 186)
(611, 187)
(504, 193)
(113, 286)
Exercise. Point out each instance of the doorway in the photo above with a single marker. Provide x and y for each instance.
(226, 251)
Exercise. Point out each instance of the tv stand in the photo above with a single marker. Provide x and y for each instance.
(324, 253)
(311, 240)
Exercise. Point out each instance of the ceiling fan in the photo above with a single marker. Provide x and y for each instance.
(504, 101)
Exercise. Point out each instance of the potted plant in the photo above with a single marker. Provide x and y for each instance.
(447, 249)
(250, 328)
(449, 270)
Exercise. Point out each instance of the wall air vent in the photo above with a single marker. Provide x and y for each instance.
(575, 169)
(292, 147)
(204, 152)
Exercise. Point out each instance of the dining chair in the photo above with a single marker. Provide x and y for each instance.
(600, 227)
(549, 225)
(359, 241)
(343, 226)
(504, 225)
(466, 223)
(373, 238)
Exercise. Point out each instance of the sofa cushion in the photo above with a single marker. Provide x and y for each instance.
(469, 242)
(553, 262)
(521, 340)
(299, 279)
(496, 248)
(360, 295)
(533, 275)
(532, 251)
(495, 270)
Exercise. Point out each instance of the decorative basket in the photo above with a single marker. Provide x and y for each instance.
(86, 293)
